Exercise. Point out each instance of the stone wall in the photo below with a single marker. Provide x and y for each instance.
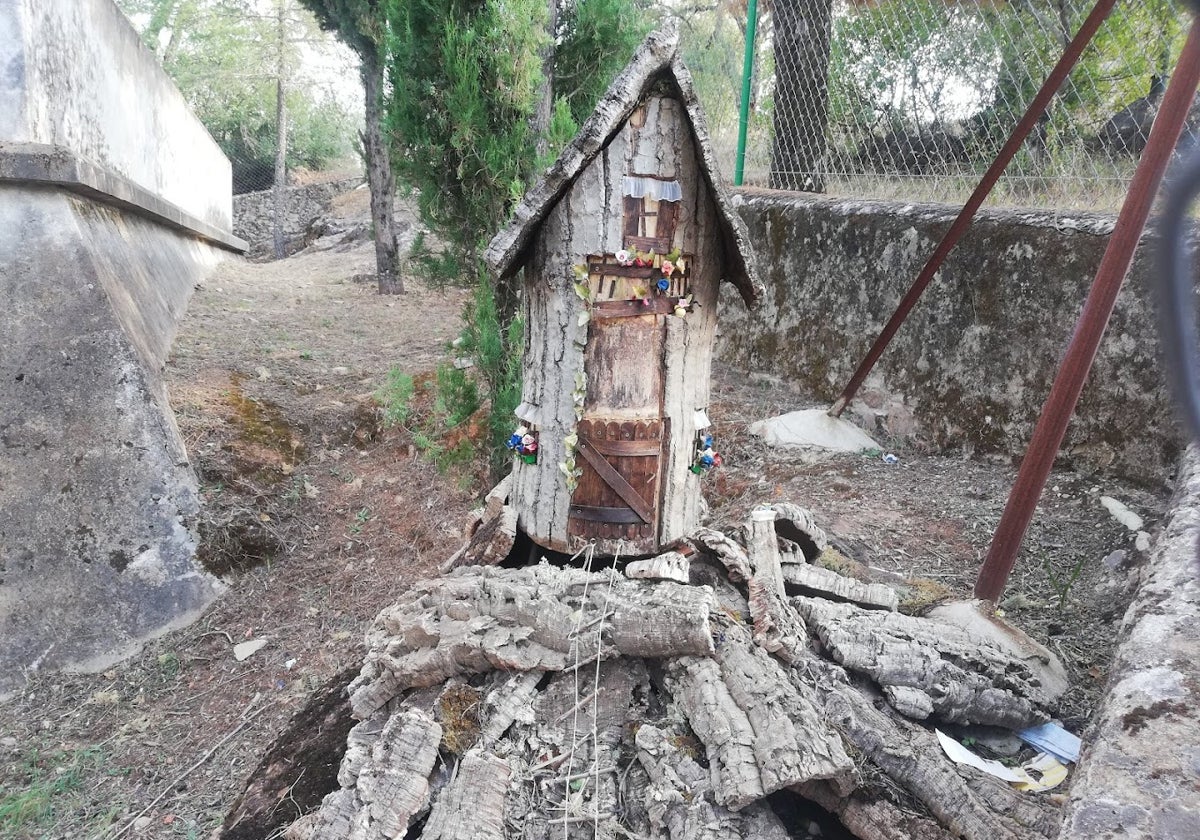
(254, 213)
(1141, 760)
(973, 364)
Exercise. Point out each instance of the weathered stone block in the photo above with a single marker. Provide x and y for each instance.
(973, 363)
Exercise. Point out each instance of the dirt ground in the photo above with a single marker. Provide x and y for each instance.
(318, 517)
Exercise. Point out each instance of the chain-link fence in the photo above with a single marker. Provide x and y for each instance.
(913, 99)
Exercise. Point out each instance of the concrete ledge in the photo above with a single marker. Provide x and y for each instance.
(26, 164)
(1139, 775)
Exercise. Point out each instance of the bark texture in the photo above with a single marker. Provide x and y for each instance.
(802, 40)
(803, 579)
(545, 702)
(490, 544)
(669, 566)
(533, 619)
(299, 767)
(930, 668)
(379, 179)
(778, 629)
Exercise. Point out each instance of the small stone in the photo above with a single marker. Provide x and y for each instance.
(1122, 514)
(1016, 602)
(1114, 560)
(1142, 542)
(245, 650)
(142, 823)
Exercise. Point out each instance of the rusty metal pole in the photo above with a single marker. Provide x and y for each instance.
(1093, 320)
(1036, 108)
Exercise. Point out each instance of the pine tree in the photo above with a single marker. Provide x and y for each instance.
(360, 24)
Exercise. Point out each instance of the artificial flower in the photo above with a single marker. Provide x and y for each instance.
(668, 268)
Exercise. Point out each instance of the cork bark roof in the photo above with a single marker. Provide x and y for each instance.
(657, 59)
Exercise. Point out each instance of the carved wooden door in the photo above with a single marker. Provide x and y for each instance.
(622, 435)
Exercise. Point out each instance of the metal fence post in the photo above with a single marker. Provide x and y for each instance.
(1089, 329)
(747, 77)
(965, 216)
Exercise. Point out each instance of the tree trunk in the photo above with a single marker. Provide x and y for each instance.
(802, 39)
(545, 105)
(380, 181)
(280, 132)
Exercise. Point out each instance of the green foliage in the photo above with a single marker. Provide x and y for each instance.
(395, 396)
(563, 129)
(225, 57)
(894, 68)
(436, 268)
(431, 412)
(49, 782)
(168, 665)
(495, 345)
(1137, 41)
(358, 23)
(464, 78)
(464, 81)
(457, 395)
(900, 65)
(1063, 584)
(712, 48)
(596, 39)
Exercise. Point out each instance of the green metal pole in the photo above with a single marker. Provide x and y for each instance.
(747, 74)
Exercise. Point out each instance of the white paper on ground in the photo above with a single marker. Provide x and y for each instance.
(961, 755)
(1044, 772)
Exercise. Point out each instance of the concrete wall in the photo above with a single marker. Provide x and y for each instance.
(973, 364)
(114, 203)
(75, 74)
(97, 499)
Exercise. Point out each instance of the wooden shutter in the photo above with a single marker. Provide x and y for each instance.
(618, 493)
(635, 230)
(632, 217)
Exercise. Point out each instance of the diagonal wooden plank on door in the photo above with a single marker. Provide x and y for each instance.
(617, 482)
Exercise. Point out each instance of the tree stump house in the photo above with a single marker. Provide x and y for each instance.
(623, 244)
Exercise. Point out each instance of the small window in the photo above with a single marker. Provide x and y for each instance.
(651, 211)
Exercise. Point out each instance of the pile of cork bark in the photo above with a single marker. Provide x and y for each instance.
(677, 696)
